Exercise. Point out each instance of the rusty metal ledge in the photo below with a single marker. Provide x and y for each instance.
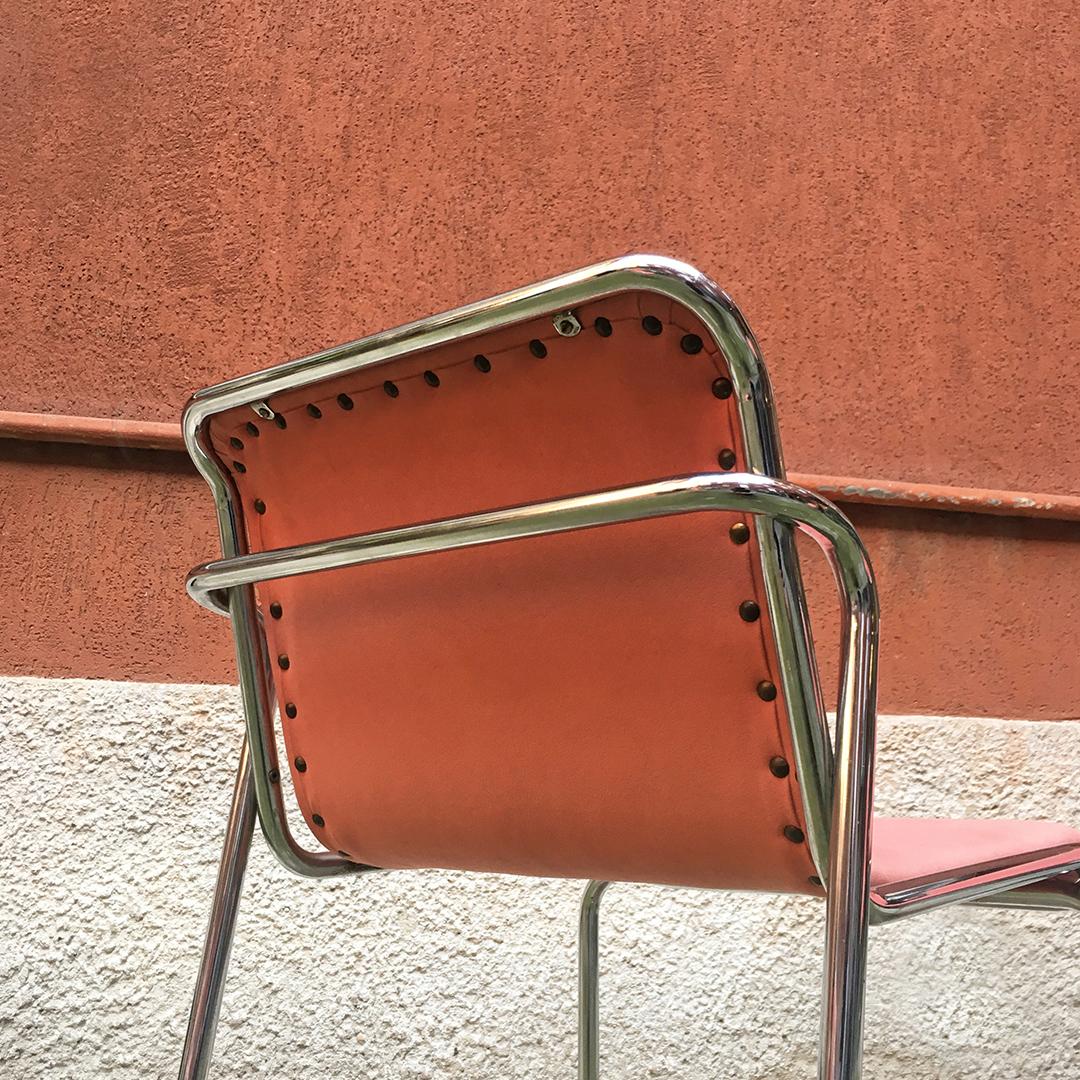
(145, 435)
(91, 431)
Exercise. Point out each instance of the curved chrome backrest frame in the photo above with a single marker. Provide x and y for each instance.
(667, 277)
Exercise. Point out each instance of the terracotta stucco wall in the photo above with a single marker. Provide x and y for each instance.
(889, 191)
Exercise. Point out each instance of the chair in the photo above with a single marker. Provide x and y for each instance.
(474, 666)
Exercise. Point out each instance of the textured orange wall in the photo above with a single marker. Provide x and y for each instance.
(889, 191)
(978, 611)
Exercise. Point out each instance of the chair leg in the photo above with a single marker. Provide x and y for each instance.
(844, 990)
(202, 1024)
(589, 982)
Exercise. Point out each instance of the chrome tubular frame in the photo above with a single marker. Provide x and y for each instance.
(836, 780)
(753, 397)
(981, 882)
(589, 982)
(210, 984)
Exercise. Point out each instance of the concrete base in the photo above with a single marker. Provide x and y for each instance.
(112, 803)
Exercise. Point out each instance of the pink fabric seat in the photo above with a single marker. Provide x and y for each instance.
(916, 849)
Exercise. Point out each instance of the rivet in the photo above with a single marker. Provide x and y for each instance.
(602, 326)
(252, 429)
(739, 532)
(794, 834)
(538, 348)
(314, 412)
(566, 324)
(652, 325)
(283, 662)
(749, 611)
(317, 819)
(691, 344)
(260, 506)
(236, 444)
(275, 610)
(391, 388)
(726, 459)
(345, 401)
(766, 690)
(814, 880)
(290, 710)
(779, 767)
(722, 388)
(431, 378)
(274, 776)
(301, 764)
(281, 421)
(239, 466)
(482, 363)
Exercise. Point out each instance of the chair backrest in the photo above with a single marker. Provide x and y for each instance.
(605, 703)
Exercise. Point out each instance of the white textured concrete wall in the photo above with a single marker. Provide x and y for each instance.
(112, 800)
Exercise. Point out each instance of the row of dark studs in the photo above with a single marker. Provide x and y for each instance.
(690, 343)
(299, 763)
(766, 690)
(740, 534)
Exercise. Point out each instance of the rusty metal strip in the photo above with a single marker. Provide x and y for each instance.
(91, 430)
(147, 435)
(942, 497)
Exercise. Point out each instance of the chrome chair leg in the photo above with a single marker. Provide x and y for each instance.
(844, 992)
(202, 1024)
(589, 982)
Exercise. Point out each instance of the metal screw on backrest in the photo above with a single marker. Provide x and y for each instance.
(263, 410)
(566, 324)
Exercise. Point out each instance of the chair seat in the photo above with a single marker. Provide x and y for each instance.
(912, 850)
